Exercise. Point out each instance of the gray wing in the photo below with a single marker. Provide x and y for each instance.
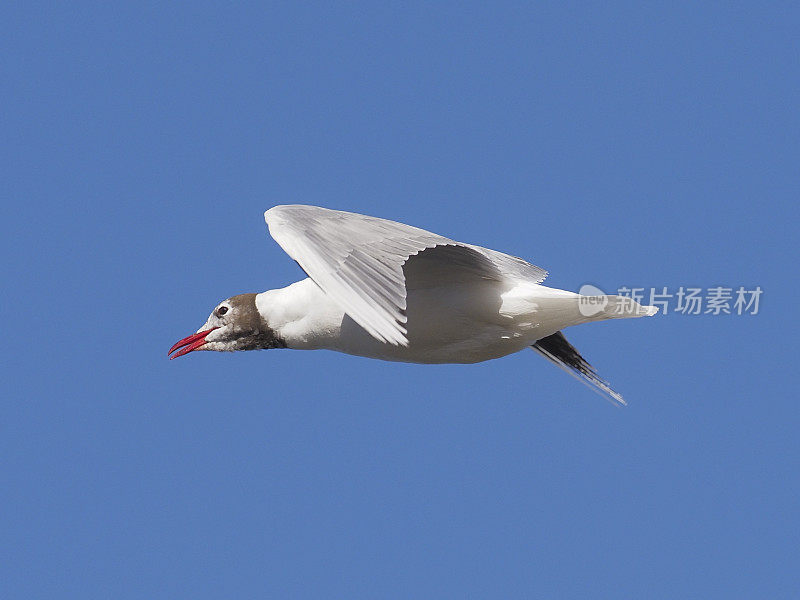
(358, 261)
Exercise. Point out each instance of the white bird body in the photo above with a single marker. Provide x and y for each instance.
(386, 290)
(446, 324)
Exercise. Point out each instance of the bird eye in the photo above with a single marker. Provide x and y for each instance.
(222, 310)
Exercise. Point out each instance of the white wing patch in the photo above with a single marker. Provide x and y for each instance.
(358, 261)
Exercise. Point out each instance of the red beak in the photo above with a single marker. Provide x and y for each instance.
(192, 342)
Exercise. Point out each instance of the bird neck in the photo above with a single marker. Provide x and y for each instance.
(301, 315)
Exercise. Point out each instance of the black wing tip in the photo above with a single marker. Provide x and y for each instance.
(558, 346)
(557, 349)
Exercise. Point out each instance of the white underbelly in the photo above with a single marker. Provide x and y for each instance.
(475, 344)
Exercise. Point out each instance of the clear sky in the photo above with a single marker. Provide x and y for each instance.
(616, 145)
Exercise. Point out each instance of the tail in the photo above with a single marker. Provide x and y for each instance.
(557, 349)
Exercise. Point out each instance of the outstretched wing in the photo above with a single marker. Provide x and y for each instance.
(358, 261)
(557, 349)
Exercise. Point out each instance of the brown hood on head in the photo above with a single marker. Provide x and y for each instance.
(248, 316)
(239, 327)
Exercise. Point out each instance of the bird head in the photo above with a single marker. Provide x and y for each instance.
(234, 324)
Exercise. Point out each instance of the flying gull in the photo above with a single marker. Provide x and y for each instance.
(386, 290)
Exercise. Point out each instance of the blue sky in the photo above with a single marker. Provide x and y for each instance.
(618, 145)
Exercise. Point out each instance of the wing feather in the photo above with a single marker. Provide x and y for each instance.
(358, 261)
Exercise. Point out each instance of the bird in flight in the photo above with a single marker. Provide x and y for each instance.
(386, 290)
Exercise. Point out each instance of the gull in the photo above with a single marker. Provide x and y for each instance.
(385, 290)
